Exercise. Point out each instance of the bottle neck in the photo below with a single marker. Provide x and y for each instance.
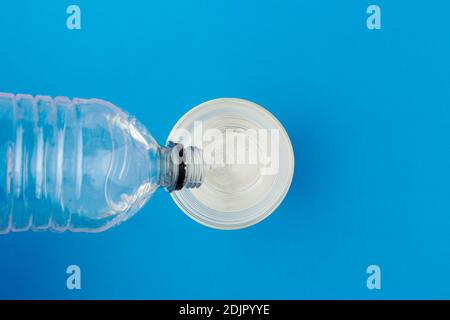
(181, 167)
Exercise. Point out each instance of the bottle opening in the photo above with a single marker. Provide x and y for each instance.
(182, 167)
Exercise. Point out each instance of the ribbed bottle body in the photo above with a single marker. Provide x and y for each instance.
(78, 165)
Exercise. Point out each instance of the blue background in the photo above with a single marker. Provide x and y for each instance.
(368, 113)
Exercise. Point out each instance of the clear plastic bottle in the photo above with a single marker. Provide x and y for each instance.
(78, 165)
(85, 166)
